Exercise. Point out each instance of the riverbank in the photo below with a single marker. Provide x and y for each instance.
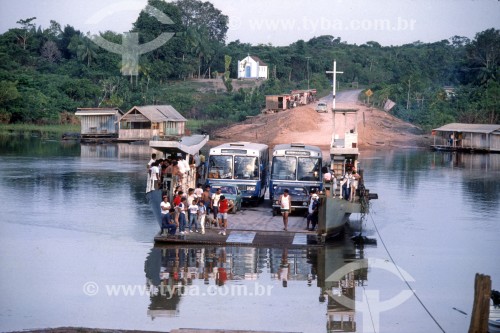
(39, 130)
(377, 130)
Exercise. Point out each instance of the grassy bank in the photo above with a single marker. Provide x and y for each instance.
(193, 125)
(42, 130)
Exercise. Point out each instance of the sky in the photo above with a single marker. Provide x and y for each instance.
(282, 22)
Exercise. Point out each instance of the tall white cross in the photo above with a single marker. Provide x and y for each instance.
(334, 72)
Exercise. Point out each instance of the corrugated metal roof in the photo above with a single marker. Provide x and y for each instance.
(158, 113)
(97, 111)
(472, 128)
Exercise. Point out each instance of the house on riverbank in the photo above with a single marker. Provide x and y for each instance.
(467, 137)
(151, 121)
(99, 122)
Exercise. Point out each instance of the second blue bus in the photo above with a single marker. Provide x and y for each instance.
(245, 164)
(296, 164)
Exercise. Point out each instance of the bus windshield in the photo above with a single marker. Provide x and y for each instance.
(284, 168)
(220, 166)
(308, 168)
(246, 167)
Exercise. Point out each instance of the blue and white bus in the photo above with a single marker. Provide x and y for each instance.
(296, 164)
(244, 164)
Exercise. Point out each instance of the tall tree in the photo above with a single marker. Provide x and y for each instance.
(84, 47)
(26, 31)
(483, 56)
(203, 14)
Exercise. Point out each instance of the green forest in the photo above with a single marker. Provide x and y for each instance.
(48, 72)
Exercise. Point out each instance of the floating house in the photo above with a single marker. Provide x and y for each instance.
(467, 137)
(150, 122)
(99, 122)
(252, 67)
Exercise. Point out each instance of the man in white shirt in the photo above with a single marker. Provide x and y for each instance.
(198, 191)
(215, 202)
(165, 205)
(155, 175)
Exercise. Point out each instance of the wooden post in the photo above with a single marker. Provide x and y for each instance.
(481, 307)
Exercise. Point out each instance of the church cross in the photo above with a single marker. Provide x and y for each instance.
(334, 72)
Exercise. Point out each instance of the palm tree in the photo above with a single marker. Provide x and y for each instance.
(84, 48)
(199, 44)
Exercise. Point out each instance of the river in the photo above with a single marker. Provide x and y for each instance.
(76, 237)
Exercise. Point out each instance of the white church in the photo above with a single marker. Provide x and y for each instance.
(252, 68)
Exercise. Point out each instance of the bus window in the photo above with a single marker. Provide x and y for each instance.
(220, 167)
(246, 167)
(284, 168)
(308, 168)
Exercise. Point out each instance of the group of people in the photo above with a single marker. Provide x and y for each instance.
(159, 169)
(192, 210)
(349, 183)
(174, 166)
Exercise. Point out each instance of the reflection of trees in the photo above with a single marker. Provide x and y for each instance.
(38, 146)
(485, 192)
(405, 167)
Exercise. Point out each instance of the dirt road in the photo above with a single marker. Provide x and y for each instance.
(377, 129)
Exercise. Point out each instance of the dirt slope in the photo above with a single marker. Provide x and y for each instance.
(377, 129)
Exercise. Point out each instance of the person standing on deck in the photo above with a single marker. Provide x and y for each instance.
(334, 183)
(190, 198)
(206, 197)
(193, 215)
(155, 175)
(310, 211)
(152, 160)
(346, 185)
(327, 180)
(148, 168)
(224, 207)
(315, 214)
(215, 202)
(198, 191)
(177, 198)
(181, 210)
(202, 212)
(284, 201)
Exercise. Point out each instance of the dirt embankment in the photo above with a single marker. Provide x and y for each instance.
(376, 129)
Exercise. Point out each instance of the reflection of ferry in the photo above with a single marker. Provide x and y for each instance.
(337, 270)
(172, 270)
(335, 207)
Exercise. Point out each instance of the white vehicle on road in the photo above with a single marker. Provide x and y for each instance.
(321, 107)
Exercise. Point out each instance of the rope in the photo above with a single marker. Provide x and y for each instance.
(369, 309)
(402, 276)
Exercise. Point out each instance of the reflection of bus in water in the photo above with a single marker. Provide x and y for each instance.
(298, 164)
(244, 164)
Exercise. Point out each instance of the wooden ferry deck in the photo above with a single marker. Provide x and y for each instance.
(252, 226)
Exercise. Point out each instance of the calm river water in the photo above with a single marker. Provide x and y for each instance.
(76, 250)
